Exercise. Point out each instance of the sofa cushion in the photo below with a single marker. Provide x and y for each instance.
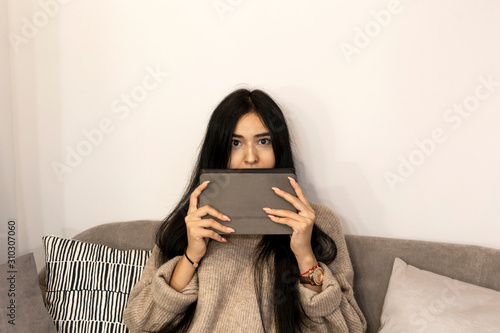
(23, 309)
(373, 260)
(422, 301)
(87, 285)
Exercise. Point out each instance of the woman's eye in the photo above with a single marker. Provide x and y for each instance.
(235, 143)
(265, 141)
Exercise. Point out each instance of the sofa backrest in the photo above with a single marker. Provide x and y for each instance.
(372, 259)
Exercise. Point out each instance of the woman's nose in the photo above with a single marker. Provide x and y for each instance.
(250, 155)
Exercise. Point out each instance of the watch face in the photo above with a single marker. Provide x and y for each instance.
(318, 275)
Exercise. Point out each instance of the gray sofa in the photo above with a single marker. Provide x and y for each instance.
(372, 259)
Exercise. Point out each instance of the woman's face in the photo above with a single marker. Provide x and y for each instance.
(251, 144)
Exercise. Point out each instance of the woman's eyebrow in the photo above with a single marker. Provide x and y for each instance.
(256, 136)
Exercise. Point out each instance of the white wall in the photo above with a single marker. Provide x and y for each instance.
(355, 114)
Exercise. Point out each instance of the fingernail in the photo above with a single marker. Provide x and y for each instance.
(230, 229)
(266, 209)
(291, 179)
(226, 218)
(223, 239)
(206, 182)
(275, 189)
(271, 216)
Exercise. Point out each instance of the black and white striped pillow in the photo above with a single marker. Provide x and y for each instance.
(87, 285)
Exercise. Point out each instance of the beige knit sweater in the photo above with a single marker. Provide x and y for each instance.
(224, 287)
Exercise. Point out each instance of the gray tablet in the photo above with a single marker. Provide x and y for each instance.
(242, 193)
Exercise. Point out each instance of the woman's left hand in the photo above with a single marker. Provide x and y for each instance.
(301, 222)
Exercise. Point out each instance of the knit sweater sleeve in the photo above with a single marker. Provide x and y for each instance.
(152, 302)
(334, 307)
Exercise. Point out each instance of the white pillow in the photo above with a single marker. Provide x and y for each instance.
(422, 301)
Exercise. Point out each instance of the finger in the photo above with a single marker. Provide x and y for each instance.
(285, 220)
(299, 192)
(286, 213)
(212, 234)
(206, 223)
(209, 210)
(299, 205)
(193, 201)
(298, 227)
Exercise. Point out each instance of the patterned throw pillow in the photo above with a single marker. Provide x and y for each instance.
(88, 284)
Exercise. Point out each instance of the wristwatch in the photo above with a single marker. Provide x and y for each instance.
(315, 277)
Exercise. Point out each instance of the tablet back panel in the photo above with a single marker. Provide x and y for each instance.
(242, 193)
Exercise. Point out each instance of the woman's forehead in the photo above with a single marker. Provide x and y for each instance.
(251, 125)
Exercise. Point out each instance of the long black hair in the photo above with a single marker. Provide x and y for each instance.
(215, 152)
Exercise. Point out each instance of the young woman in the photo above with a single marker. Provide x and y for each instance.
(199, 281)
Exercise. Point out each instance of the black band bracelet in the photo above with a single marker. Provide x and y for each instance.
(195, 264)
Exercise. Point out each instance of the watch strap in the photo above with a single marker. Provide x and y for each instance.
(309, 278)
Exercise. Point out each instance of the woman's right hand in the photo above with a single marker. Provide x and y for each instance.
(198, 236)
